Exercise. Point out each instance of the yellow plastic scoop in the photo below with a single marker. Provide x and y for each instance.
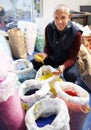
(39, 57)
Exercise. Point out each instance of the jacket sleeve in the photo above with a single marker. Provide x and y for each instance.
(73, 52)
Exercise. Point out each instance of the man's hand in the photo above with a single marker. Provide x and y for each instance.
(39, 57)
(61, 68)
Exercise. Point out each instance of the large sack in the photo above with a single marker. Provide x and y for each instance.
(30, 37)
(77, 100)
(45, 74)
(31, 91)
(11, 111)
(5, 45)
(45, 108)
(24, 69)
(17, 43)
(5, 62)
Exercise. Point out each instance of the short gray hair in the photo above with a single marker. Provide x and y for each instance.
(61, 7)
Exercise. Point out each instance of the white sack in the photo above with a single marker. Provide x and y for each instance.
(81, 99)
(22, 65)
(77, 99)
(46, 70)
(24, 69)
(30, 37)
(8, 86)
(44, 108)
(43, 90)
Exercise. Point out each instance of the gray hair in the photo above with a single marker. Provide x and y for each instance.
(61, 7)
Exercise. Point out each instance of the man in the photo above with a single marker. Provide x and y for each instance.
(63, 41)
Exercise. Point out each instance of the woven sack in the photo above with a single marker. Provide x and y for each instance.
(31, 91)
(77, 100)
(44, 109)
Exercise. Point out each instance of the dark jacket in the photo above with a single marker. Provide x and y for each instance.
(58, 43)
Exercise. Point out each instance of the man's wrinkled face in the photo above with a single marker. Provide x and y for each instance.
(61, 19)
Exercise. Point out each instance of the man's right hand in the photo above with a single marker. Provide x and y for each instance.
(39, 57)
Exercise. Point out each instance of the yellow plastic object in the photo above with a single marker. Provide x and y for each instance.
(48, 74)
(44, 77)
(38, 57)
(52, 89)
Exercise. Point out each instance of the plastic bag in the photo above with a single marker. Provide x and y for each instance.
(31, 91)
(11, 111)
(45, 74)
(30, 37)
(5, 45)
(5, 61)
(24, 69)
(8, 85)
(40, 43)
(44, 108)
(77, 100)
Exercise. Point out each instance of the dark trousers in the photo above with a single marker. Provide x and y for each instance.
(72, 73)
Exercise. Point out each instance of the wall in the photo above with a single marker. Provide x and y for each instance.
(6, 4)
(48, 5)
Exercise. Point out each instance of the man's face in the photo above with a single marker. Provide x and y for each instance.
(61, 19)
